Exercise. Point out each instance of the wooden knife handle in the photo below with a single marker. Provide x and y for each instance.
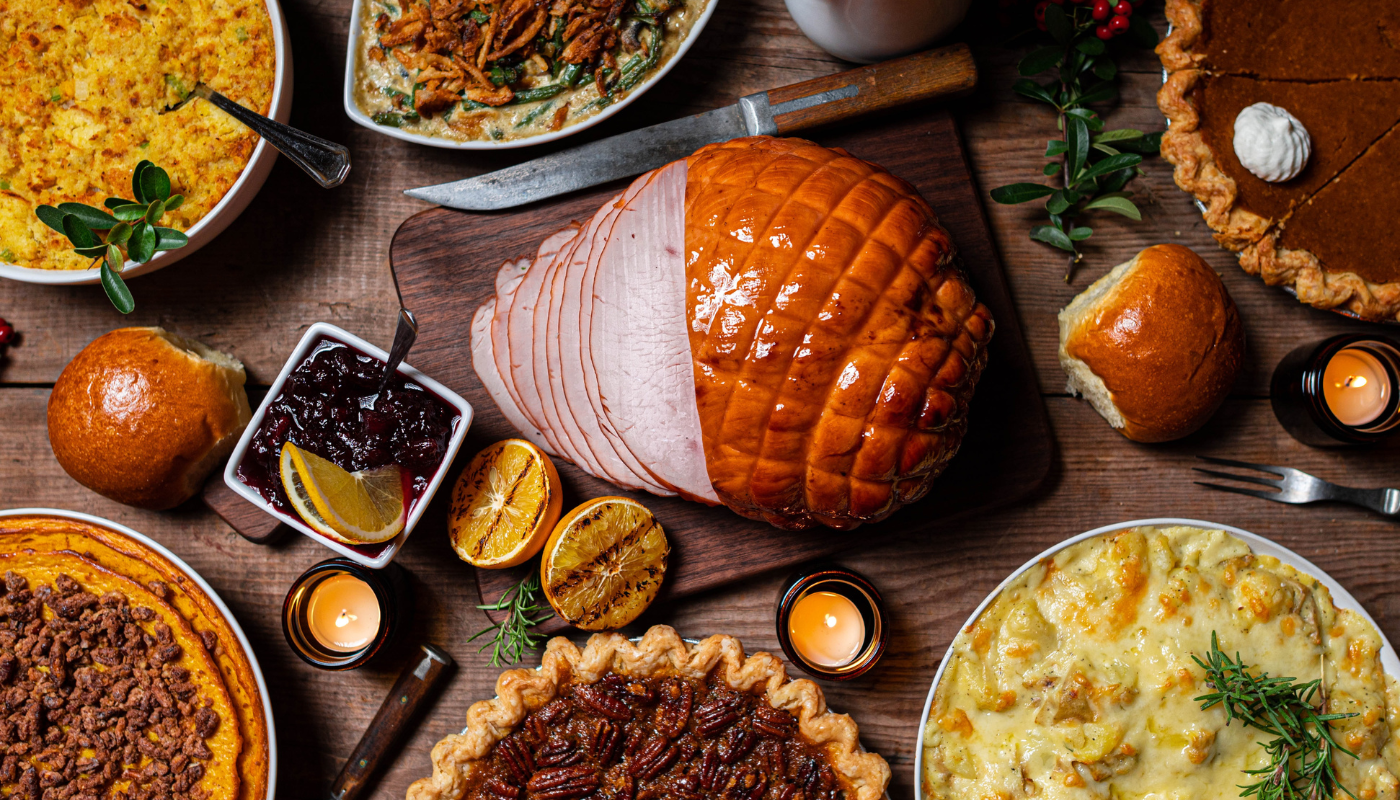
(933, 74)
(389, 724)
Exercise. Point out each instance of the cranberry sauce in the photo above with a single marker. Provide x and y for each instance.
(328, 405)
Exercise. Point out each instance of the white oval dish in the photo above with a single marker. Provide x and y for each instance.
(229, 206)
(1261, 546)
(352, 109)
(208, 590)
(372, 558)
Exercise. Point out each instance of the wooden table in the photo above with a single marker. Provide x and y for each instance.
(300, 254)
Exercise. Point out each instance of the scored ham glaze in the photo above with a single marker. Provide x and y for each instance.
(769, 324)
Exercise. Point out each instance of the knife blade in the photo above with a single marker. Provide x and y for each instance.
(946, 72)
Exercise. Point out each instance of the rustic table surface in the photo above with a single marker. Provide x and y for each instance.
(300, 254)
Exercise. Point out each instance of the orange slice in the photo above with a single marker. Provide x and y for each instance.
(365, 507)
(504, 505)
(604, 563)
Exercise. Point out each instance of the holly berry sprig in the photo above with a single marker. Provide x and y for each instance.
(1093, 165)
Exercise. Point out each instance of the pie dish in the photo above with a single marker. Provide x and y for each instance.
(1083, 659)
(1303, 232)
(658, 717)
(178, 710)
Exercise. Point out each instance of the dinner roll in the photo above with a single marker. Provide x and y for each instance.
(142, 416)
(1154, 345)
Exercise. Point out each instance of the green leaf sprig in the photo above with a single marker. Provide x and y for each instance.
(1093, 165)
(1300, 754)
(126, 230)
(514, 635)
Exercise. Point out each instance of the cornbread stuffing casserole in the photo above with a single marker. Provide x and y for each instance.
(81, 84)
(119, 677)
(1078, 680)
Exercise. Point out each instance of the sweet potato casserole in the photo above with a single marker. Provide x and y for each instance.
(81, 86)
(1079, 681)
(468, 70)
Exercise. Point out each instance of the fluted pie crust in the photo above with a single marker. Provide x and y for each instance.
(1262, 241)
(459, 760)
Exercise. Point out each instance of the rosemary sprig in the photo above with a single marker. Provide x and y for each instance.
(513, 635)
(1092, 165)
(1300, 754)
(130, 229)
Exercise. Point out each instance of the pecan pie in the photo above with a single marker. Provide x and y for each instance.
(655, 719)
(119, 677)
(1337, 70)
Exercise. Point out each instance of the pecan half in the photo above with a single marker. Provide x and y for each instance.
(516, 758)
(712, 774)
(600, 702)
(735, 745)
(558, 752)
(674, 711)
(501, 789)
(774, 722)
(653, 759)
(607, 742)
(747, 786)
(563, 783)
(718, 712)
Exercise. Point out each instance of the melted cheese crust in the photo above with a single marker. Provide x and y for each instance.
(1078, 681)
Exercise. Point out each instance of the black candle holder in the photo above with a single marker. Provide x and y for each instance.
(391, 589)
(854, 587)
(1300, 405)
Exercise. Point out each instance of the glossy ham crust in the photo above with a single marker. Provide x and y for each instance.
(835, 342)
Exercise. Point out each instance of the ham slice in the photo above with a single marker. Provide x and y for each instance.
(769, 324)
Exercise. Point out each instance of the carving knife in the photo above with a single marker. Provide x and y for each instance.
(945, 72)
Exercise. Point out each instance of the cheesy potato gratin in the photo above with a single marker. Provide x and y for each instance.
(1078, 681)
(81, 86)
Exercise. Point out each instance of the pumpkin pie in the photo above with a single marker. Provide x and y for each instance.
(1222, 57)
(659, 718)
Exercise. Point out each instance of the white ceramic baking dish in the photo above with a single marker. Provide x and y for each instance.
(355, 113)
(228, 208)
(1261, 546)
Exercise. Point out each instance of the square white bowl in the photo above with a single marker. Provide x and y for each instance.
(308, 341)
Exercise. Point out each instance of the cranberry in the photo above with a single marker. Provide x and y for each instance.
(1040, 10)
(7, 333)
(1117, 25)
(1102, 10)
(1104, 32)
(329, 406)
(1123, 9)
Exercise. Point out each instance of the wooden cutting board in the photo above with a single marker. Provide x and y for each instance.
(445, 262)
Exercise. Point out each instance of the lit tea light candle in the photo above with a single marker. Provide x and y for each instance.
(340, 614)
(1356, 386)
(343, 613)
(1339, 391)
(827, 629)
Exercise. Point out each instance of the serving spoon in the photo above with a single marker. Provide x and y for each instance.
(327, 162)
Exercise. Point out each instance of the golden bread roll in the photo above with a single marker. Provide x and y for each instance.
(1154, 345)
(142, 416)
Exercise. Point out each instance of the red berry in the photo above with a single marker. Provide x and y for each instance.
(1117, 25)
(1102, 10)
(1123, 9)
(1040, 10)
(1104, 32)
(7, 333)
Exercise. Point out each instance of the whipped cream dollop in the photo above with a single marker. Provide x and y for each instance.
(1271, 143)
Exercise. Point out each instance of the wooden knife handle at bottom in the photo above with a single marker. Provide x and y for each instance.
(930, 75)
(391, 721)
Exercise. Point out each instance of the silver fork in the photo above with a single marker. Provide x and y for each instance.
(1296, 486)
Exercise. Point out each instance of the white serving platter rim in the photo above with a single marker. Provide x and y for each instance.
(352, 109)
(207, 589)
(234, 201)
(321, 330)
(1260, 545)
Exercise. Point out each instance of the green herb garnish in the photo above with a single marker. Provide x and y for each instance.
(7, 255)
(513, 635)
(240, 33)
(129, 230)
(1300, 754)
(1093, 165)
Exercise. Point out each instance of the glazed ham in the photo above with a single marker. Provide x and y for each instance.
(769, 324)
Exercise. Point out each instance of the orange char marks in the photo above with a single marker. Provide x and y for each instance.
(835, 343)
